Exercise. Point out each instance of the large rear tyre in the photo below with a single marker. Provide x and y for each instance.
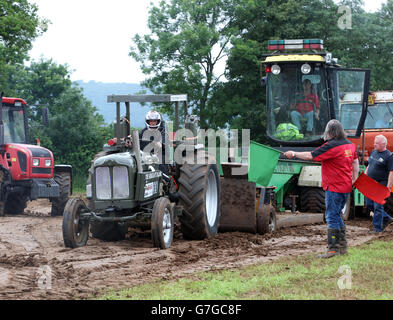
(162, 224)
(312, 200)
(63, 179)
(266, 219)
(15, 204)
(75, 230)
(199, 194)
(108, 231)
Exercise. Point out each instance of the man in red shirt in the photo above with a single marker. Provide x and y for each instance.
(340, 168)
(305, 103)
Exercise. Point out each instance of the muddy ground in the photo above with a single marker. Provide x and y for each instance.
(34, 264)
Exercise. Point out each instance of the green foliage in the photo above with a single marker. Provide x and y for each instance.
(240, 101)
(19, 26)
(76, 132)
(178, 55)
(187, 40)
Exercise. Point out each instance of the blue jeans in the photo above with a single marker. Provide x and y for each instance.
(296, 116)
(379, 214)
(335, 202)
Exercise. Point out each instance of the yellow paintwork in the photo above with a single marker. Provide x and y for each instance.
(294, 58)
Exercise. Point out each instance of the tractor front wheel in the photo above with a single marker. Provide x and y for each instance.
(162, 224)
(266, 219)
(75, 230)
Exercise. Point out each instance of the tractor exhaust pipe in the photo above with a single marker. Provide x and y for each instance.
(137, 149)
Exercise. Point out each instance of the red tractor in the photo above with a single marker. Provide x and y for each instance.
(27, 172)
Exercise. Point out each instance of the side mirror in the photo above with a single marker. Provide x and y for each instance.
(263, 81)
(45, 116)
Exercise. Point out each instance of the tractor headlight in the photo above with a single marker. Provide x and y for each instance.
(121, 189)
(306, 68)
(36, 162)
(275, 69)
(103, 183)
(48, 162)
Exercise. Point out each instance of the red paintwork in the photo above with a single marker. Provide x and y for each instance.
(369, 140)
(12, 100)
(12, 162)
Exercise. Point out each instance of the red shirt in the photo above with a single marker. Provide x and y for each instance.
(336, 158)
(303, 105)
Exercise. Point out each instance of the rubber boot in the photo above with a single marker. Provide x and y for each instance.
(333, 248)
(342, 243)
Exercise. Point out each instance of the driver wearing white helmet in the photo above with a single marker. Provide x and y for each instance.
(155, 131)
(153, 120)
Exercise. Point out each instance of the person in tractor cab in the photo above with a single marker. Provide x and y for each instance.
(155, 132)
(340, 168)
(307, 106)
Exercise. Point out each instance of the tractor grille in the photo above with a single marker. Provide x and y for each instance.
(112, 182)
(41, 170)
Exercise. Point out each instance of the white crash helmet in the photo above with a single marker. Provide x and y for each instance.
(152, 115)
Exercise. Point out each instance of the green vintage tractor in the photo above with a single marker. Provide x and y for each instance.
(127, 188)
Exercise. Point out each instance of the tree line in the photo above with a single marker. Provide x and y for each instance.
(208, 49)
(76, 132)
(189, 38)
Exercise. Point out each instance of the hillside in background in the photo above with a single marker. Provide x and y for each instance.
(97, 93)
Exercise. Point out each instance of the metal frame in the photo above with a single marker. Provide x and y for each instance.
(142, 98)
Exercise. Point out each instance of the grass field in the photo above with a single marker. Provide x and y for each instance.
(365, 273)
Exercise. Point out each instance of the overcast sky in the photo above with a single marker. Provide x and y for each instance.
(94, 36)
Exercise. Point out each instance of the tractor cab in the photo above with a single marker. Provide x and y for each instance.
(13, 120)
(379, 119)
(304, 89)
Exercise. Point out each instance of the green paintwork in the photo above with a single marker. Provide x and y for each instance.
(262, 163)
(137, 181)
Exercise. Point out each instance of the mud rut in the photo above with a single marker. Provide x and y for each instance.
(34, 264)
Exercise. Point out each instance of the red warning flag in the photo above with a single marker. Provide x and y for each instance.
(371, 188)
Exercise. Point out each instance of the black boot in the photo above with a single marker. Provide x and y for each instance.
(342, 243)
(333, 239)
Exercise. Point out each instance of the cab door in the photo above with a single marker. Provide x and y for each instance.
(348, 95)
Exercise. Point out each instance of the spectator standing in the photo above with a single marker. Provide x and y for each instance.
(340, 168)
(380, 168)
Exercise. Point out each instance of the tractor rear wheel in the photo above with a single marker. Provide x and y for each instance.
(199, 194)
(312, 200)
(15, 204)
(63, 179)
